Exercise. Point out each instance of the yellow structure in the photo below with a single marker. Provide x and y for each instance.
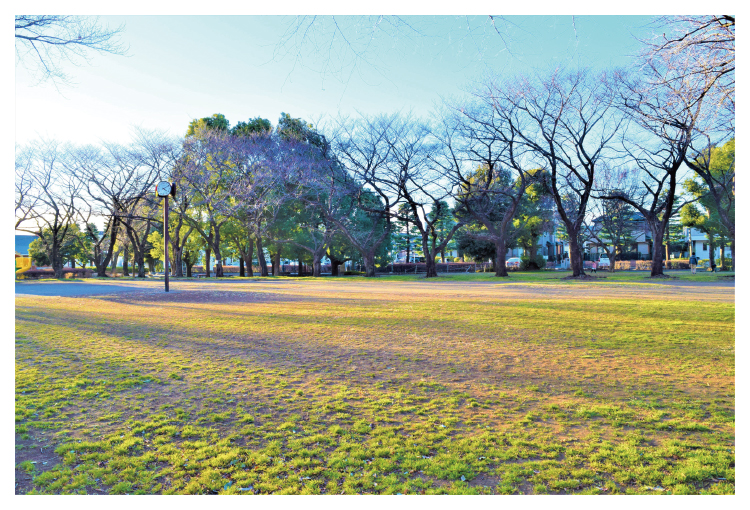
(23, 264)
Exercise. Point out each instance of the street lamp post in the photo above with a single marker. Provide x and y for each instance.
(163, 190)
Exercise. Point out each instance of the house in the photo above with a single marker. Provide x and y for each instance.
(699, 244)
(640, 234)
(22, 243)
(643, 241)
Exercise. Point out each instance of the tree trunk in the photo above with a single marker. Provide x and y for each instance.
(299, 267)
(576, 258)
(721, 255)
(500, 250)
(316, 264)
(177, 264)
(57, 262)
(242, 267)
(408, 243)
(369, 260)
(335, 263)
(125, 260)
(101, 261)
(217, 256)
(151, 266)
(248, 256)
(431, 267)
(208, 261)
(711, 258)
(612, 258)
(657, 259)
(141, 264)
(189, 268)
(272, 256)
(261, 257)
(114, 261)
(277, 263)
(216, 249)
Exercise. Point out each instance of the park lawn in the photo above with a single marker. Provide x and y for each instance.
(314, 386)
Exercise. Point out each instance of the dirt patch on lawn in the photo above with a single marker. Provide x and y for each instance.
(41, 456)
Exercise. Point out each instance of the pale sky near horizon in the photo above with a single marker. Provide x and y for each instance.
(184, 67)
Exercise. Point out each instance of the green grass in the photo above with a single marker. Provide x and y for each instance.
(550, 276)
(301, 385)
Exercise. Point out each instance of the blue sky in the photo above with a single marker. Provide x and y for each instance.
(183, 67)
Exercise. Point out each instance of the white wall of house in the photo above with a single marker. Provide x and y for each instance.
(701, 250)
(700, 245)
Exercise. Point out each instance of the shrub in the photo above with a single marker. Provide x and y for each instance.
(643, 265)
(458, 259)
(532, 263)
(622, 265)
(678, 264)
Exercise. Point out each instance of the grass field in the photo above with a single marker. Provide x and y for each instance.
(391, 385)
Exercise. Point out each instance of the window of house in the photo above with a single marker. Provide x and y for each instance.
(705, 246)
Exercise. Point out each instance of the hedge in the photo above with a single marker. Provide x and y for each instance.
(68, 272)
(421, 267)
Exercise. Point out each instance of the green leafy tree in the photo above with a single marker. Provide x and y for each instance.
(216, 122)
(612, 227)
(470, 242)
(534, 216)
(406, 233)
(74, 246)
(257, 125)
(441, 224)
(712, 184)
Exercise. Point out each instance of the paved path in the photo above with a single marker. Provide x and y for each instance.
(69, 289)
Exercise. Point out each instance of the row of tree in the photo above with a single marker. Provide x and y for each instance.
(593, 149)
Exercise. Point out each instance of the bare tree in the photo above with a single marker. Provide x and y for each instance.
(48, 202)
(666, 105)
(410, 174)
(45, 42)
(117, 179)
(26, 199)
(485, 156)
(144, 162)
(700, 50)
(180, 231)
(138, 220)
(343, 46)
(359, 209)
(613, 222)
(566, 122)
